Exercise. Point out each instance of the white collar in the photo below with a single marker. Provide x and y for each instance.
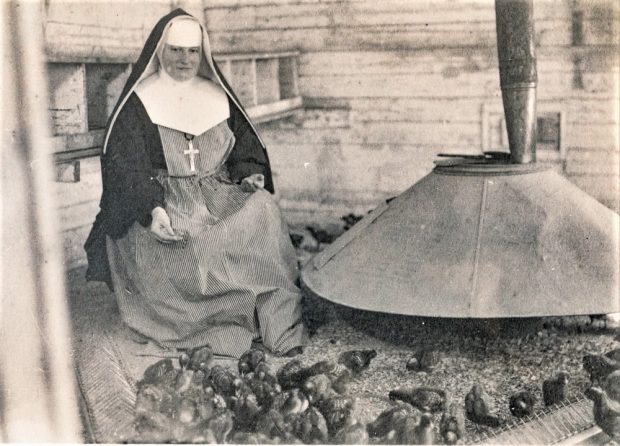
(192, 107)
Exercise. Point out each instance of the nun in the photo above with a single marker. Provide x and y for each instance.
(188, 235)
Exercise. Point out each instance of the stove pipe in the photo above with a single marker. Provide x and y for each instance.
(517, 72)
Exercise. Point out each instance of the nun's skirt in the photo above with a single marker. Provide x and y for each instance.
(232, 281)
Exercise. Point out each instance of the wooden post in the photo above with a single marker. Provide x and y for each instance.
(37, 379)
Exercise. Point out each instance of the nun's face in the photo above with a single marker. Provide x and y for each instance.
(181, 62)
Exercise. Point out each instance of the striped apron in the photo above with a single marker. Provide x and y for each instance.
(233, 278)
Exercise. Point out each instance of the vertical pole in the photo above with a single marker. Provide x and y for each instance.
(517, 71)
(37, 381)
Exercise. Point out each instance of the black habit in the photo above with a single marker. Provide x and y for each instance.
(134, 153)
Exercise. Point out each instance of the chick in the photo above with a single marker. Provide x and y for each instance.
(338, 374)
(263, 372)
(611, 385)
(424, 432)
(168, 380)
(311, 427)
(350, 220)
(290, 438)
(406, 431)
(155, 398)
(219, 402)
(265, 392)
(149, 398)
(249, 360)
(206, 405)
(452, 424)
(154, 372)
(606, 412)
(184, 381)
(221, 424)
(352, 433)
(357, 360)
(387, 420)
(186, 411)
(292, 402)
(614, 354)
(184, 360)
(250, 438)
(192, 434)
(427, 399)
(321, 367)
(271, 424)
(477, 406)
(292, 374)
(521, 404)
(153, 428)
(320, 235)
(424, 360)
(246, 410)
(224, 381)
(201, 358)
(599, 366)
(317, 388)
(554, 389)
(336, 411)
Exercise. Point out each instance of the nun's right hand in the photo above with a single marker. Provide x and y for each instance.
(161, 227)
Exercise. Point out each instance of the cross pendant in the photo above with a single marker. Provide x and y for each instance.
(191, 152)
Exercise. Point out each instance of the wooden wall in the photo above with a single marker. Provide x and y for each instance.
(387, 85)
(93, 31)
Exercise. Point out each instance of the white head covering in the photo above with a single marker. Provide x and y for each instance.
(184, 32)
(192, 106)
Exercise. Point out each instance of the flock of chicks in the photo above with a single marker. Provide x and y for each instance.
(205, 403)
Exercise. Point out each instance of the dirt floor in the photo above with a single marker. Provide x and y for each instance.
(503, 356)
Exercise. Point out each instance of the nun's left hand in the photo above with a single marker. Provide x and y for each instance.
(253, 182)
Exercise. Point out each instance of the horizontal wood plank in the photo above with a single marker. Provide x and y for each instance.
(451, 62)
(277, 14)
(381, 135)
(468, 85)
(439, 110)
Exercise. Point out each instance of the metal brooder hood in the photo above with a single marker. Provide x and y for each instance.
(482, 237)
